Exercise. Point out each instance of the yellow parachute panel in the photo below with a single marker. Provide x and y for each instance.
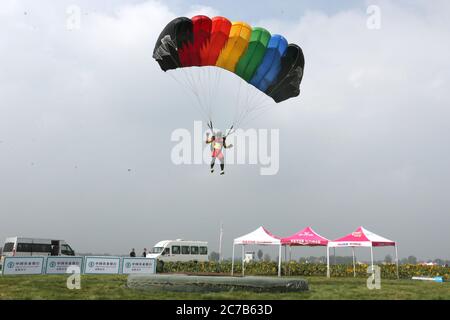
(236, 46)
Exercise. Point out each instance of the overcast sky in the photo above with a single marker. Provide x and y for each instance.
(86, 118)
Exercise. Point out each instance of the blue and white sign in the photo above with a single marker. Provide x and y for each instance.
(102, 265)
(23, 265)
(59, 265)
(138, 266)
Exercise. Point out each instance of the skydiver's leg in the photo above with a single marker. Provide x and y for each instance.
(222, 163)
(212, 164)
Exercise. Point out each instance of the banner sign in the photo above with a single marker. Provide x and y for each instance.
(59, 265)
(23, 265)
(102, 265)
(138, 266)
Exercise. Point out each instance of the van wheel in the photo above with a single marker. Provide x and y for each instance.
(160, 266)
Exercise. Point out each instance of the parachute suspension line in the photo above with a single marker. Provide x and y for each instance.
(238, 102)
(257, 115)
(251, 111)
(205, 83)
(257, 105)
(241, 105)
(207, 86)
(197, 78)
(260, 106)
(188, 81)
(184, 88)
(245, 106)
(188, 84)
(208, 91)
(210, 86)
(247, 119)
(195, 90)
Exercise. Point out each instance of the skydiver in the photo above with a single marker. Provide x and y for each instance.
(218, 142)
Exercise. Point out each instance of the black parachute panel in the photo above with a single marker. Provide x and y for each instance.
(288, 81)
(175, 36)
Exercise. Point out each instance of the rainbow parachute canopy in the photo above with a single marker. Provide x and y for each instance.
(265, 61)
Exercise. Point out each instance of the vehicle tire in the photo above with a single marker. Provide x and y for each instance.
(160, 266)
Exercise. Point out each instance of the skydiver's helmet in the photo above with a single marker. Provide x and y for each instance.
(218, 134)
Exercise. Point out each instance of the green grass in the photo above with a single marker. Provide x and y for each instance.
(114, 287)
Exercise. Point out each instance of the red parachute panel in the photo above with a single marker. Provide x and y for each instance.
(220, 32)
(189, 54)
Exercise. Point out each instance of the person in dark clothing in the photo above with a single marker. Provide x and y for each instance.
(144, 254)
(55, 250)
(132, 253)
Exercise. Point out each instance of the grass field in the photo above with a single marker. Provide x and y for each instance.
(114, 287)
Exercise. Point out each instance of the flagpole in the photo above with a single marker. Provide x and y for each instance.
(220, 242)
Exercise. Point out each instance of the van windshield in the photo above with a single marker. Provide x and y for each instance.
(157, 249)
(9, 246)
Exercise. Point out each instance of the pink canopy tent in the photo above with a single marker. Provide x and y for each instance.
(258, 237)
(304, 238)
(361, 238)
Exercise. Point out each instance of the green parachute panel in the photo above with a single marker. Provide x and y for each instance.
(250, 61)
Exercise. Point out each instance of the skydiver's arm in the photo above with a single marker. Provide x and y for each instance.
(209, 140)
(225, 144)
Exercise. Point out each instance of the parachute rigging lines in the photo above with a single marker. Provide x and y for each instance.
(197, 53)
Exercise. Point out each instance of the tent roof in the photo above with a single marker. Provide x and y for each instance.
(361, 238)
(259, 236)
(305, 237)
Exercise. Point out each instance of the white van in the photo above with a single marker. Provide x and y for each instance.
(29, 247)
(180, 251)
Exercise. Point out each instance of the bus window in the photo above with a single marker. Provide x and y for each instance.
(203, 250)
(175, 249)
(41, 248)
(24, 247)
(166, 251)
(8, 247)
(194, 250)
(185, 250)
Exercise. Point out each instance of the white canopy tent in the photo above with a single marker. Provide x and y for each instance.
(258, 237)
(361, 238)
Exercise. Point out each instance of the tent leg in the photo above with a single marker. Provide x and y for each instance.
(354, 263)
(243, 262)
(279, 262)
(371, 256)
(232, 261)
(396, 260)
(290, 258)
(328, 261)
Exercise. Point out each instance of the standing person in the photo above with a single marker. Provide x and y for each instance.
(144, 254)
(132, 253)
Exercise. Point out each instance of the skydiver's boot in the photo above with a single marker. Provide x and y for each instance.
(222, 168)
(212, 166)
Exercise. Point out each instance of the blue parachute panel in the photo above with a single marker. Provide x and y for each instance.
(270, 67)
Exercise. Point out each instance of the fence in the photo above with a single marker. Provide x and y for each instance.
(86, 265)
